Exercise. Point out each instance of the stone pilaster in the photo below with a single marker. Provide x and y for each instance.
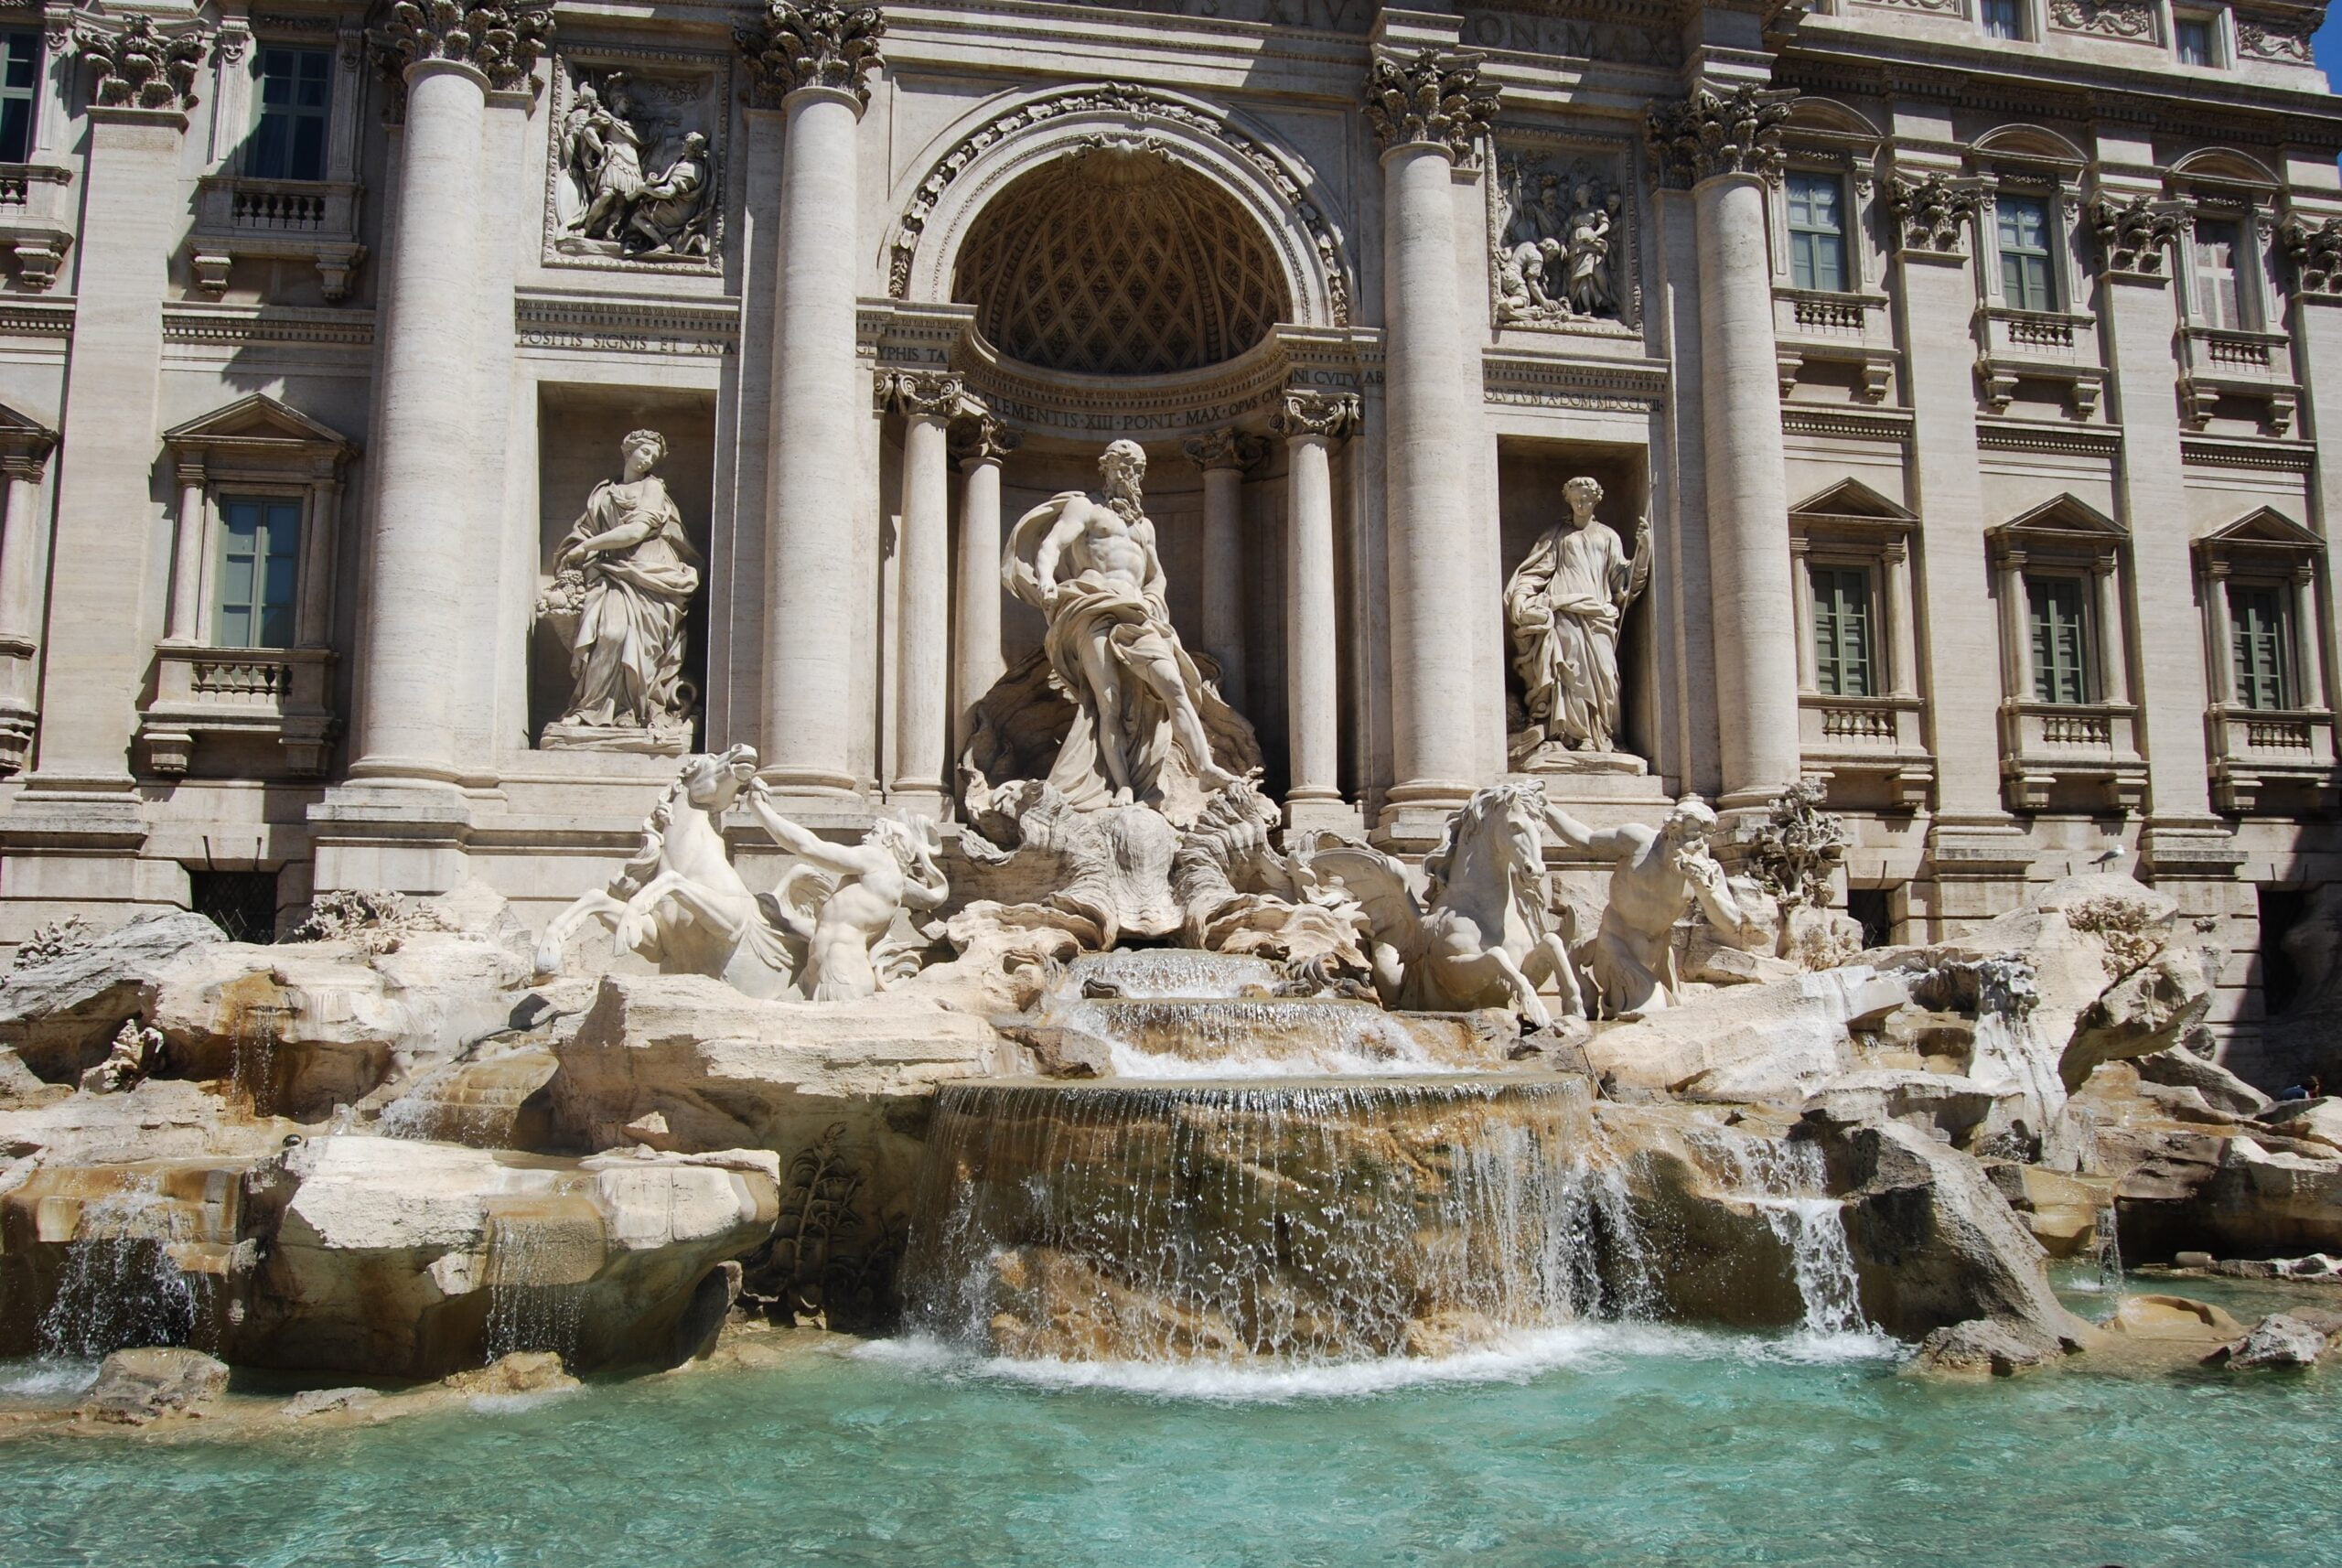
(814, 61)
(1223, 454)
(1311, 422)
(24, 457)
(926, 401)
(1722, 147)
(979, 444)
(2313, 255)
(1427, 109)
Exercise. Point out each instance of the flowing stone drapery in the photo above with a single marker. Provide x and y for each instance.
(1722, 147)
(448, 57)
(1311, 422)
(979, 444)
(1427, 111)
(926, 401)
(815, 61)
(1223, 454)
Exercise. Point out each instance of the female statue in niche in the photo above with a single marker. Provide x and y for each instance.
(1563, 607)
(625, 572)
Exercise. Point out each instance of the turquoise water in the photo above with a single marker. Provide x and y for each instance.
(1611, 1445)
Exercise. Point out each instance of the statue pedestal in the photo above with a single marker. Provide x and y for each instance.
(1553, 757)
(558, 736)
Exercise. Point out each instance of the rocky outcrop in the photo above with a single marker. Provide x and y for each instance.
(2179, 1068)
(1752, 1042)
(2279, 1339)
(2150, 1010)
(60, 1017)
(133, 1387)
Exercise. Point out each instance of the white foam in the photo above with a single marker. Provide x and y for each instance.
(46, 1377)
(1593, 1347)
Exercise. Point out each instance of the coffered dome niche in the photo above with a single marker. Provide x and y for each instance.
(1117, 260)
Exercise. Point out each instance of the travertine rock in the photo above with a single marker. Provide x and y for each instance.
(1778, 1041)
(60, 1017)
(2277, 1340)
(135, 1386)
(2149, 1010)
(2221, 1088)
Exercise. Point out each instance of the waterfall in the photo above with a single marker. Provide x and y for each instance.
(119, 1287)
(2107, 1244)
(531, 1305)
(1291, 1221)
(251, 1076)
(1155, 973)
(1784, 1182)
(1256, 1038)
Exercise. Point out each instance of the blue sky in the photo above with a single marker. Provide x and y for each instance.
(2329, 47)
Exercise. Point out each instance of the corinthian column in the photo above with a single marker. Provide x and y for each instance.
(1223, 454)
(978, 445)
(1722, 149)
(1427, 111)
(1311, 422)
(432, 512)
(923, 662)
(815, 61)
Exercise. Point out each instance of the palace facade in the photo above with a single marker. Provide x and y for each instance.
(1955, 372)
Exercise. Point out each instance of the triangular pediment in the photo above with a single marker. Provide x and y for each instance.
(1853, 498)
(256, 420)
(2266, 526)
(2065, 514)
(23, 424)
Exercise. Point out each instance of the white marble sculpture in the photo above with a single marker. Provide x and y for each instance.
(669, 214)
(631, 185)
(1555, 255)
(603, 155)
(829, 933)
(1565, 605)
(1089, 564)
(1657, 876)
(623, 581)
(1470, 929)
(136, 1056)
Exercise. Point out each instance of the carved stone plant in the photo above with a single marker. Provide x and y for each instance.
(1799, 846)
(500, 38)
(2137, 234)
(1931, 214)
(1429, 98)
(823, 44)
(2316, 252)
(1707, 134)
(138, 67)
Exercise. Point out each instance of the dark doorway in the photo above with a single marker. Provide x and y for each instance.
(241, 903)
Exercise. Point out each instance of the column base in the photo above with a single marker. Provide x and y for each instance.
(54, 810)
(1324, 812)
(926, 800)
(402, 835)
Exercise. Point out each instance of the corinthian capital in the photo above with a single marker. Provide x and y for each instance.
(981, 439)
(921, 394)
(500, 38)
(2136, 235)
(1707, 134)
(138, 67)
(1931, 214)
(819, 44)
(1307, 412)
(2317, 251)
(1431, 99)
(1226, 447)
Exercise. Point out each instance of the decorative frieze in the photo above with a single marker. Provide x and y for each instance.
(1932, 214)
(1558, 243)
(2284, 38)
(2136, 235)
(500, 38)
(1307, 412)
(635, 166)
(1429, 98)
(2130, 20)
(138, 67)
(2316, 250)
(823, 43)
(1707, 134)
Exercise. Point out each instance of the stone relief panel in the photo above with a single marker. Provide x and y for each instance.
(1561, 252)
(2130, 20)
(635, 171)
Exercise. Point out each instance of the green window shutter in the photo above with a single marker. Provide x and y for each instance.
(2026, 280)
(2061, 640)
(1817, 233)
(2263, 646)
(260, 557)
(1842, 660)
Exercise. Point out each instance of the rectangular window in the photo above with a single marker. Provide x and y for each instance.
(2260, 631)
(296, 87)
(1842, 662)
(260, 553)
(2192, 35)
(2061, 640)
(2027, 280)
(1817, 233)
(19, 93)
(2004, 18)
(2223, 298)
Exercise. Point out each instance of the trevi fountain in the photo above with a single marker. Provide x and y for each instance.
(1508, 1105)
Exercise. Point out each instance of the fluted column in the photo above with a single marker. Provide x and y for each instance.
(979, 444)
(1223, 454)
(815, 60)
(432, 513)
(1427, 111)
(1722, 147)
(926, 401)
(1311, 422)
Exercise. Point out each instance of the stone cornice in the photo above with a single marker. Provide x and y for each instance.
(233, 326)
(628, 325)
(501, 40)
(821, 44)
(1429, 98)
(2068, 440)
(1538, 381)
(2247, 452)
(1885, 425)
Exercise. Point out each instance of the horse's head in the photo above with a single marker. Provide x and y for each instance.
(1499, 834)
(710, 781)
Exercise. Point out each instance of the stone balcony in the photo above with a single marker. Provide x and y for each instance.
(2058, 754)
(281, 695)
(2058, 346)
(1868, 737)
(237, 218)
(2258, 753)
(2216, 366)
(36, 219)
(1813, 328)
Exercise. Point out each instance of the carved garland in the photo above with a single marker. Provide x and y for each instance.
(2282, 38)
(2129, 19)
(1139, 102)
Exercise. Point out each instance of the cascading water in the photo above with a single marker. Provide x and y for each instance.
(1149, 974)
(532, 1304)
(1261, 1037)
(1785, 1181)
(251, 1076)
(1288, 1222)
(119, 1286)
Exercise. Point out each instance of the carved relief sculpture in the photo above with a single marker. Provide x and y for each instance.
(1557, 244)
(1932, 214)
(1564, 605)
(634, 181)
(137, 68)
(1657, 876)
(2137, 234)
(623, 579)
